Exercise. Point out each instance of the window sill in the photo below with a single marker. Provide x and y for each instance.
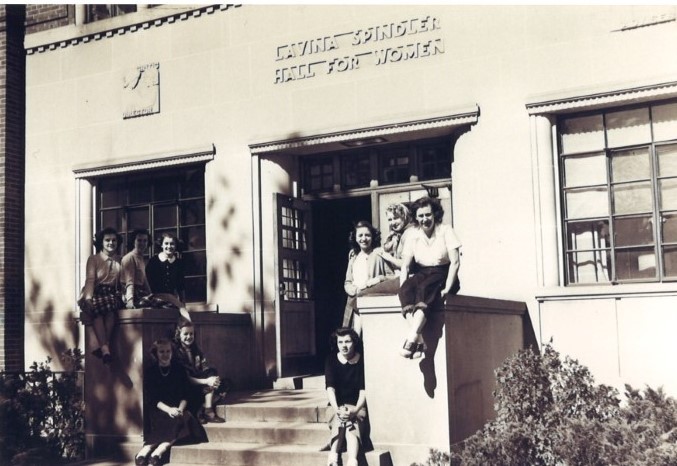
(607, 291)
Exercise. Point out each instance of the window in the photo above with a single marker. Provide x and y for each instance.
(619, 194)
(385, 164)
(96, 12)
(161, 201)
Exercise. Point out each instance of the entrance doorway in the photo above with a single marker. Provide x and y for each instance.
(333, 220)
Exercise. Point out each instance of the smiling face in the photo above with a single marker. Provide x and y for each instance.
(425, 218)
(168, 246)
(141, 243)
(164, 354)
(346, 346)
(363, 238)
(110, 243)
(187, 335)
(396, 224)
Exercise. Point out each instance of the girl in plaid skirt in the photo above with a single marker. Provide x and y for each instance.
(101, 296)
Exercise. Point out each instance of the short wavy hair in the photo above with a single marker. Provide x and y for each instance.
(132, 237)
(375, 235)
(98, 238)
(400, 211)
(435, 207)
(342, 332)
(160, 342)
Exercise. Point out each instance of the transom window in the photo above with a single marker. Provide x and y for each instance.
(619, 194)
(99, 11)
(161, 201)
(380, 165)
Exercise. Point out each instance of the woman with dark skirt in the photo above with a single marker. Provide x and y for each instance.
(165, 399)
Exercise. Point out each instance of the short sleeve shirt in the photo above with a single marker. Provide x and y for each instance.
(432, 251)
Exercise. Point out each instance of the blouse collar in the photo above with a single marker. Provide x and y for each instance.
(354, 360)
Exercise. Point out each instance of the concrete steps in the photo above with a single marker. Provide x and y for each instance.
(268, 428)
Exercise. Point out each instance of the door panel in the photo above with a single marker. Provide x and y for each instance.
(295, 305)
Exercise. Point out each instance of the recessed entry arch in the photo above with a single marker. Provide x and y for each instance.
(331, 180)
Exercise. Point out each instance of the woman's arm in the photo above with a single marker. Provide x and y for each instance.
(348, 285)
(90, 279)
(454, 264)
(361, 402)
(404, 270)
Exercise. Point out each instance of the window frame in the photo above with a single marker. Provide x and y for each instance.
(656, 215)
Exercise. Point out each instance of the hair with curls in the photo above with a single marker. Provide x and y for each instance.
(98, 238)
(375, 236)
(342, 332)
(160, 342)
(400, 211)
(182, 323)
(131, 238)
(169, 234)
(435, 207)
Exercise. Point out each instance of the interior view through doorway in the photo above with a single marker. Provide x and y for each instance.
(333, 220)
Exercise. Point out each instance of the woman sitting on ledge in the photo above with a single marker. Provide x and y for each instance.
(434, 251)
(165, 273)
(137, 290)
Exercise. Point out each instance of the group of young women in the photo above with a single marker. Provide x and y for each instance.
(419, 261)
(112, 283)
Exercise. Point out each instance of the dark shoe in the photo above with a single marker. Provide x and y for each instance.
(211, 416)
(140, 461)
(408, 349)
(107, 359)
(155, 461)
(97, 353)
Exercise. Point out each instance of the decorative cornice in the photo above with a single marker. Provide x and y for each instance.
(92, 31)
(145, 162)
(467, 117)
(592, 100)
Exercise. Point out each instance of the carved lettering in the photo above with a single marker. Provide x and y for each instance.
(306, 47)
(343, 64)
(388, 31)
(409, 51)
(294, 73)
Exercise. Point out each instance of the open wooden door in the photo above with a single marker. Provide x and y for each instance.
(295, 305)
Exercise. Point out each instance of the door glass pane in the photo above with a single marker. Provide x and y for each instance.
(670, 261)
(667, 160)
(633, 231)
(585, 170)
(589, 202)
(582, 134)
(632, 198)
(589, 266)
(628, 127)
(588, 235)
(635, 263)
(669, 225)
(668, 193)
(630, 165)
(664, 122)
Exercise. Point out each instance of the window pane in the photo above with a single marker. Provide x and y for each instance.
(193, 212)
(166, 188)
(137, 218)
(668, 193)
(664, 122)
(394, 165)
(193, 184)
(194, 238)
(318, 174)
(635, 263)
(628, 165)
(356, 169)
(582, 134)
(585, 170)
(157, 239)
(112, 193)
(164, 216)
(589, 266)
(589, 202)
(196, 289)
(195, 263)
(633, 231)
(667, 160)
(628, 127)
(434, 161)
(111, 218)
(632, 198)
(670, 261)
(588, 235)
(140, 190)
(669, 226)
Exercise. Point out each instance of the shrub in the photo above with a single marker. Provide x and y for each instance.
(42, 414)
(550, 412)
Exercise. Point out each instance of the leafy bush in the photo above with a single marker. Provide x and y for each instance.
(42, 414)
(550, 412)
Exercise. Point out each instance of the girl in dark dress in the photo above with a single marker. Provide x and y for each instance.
(206, 386)
(165, 272)
(165, 399)
(347, 411)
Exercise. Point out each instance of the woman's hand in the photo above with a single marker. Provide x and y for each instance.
(214, 382)
(175, 412)
(343, 413)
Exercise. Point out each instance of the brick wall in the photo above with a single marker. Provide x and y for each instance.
(12, 149)
(42, 17)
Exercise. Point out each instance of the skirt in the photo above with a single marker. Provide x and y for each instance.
(184, 429)
(106, 299)
(422, 290)
(359, 427)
